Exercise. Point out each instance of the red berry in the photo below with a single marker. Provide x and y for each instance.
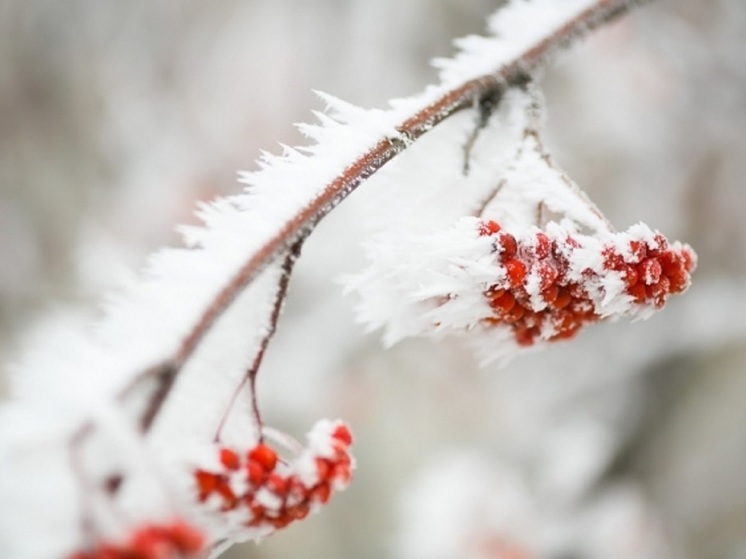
(516, 272)
(343, 435)
(258, 513)
(323, 468)
(639, 251)
(659, 289)
(207, 483)
(185, 538)
(562, 300)
(255, 472)
(488, 227)
(525, 336)
(280, 522)
(229, 459)
(509, 246)
(277, 484)
(612, 259)
(149, 543)
(298, 512)
(264, 455)
(679, 282)
(542, 246)
(504, 303)
(342, 473)
(650, 271)
(638, 292)
(550, 294)
(230, 501)
(321, 493)
(659, 245)
(515, 314)
(630, 275)
(548, 275)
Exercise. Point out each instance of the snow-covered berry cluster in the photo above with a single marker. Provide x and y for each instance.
(176, 540)
(258, 489)
(555, 281)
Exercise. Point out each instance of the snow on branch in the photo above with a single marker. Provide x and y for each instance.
(160, 456)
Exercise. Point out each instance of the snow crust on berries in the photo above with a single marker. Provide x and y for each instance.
(259, 491)
(540, 285)
(514, 233)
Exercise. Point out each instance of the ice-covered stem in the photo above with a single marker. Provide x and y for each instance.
(293, 231)
(250, 377)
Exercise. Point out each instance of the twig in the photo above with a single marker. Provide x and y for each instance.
(486, 107)
(250, 376)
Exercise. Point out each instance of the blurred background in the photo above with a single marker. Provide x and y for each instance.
(630, 441)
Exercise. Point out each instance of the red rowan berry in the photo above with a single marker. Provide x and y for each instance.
(207, 483)
(650, 271)
(550, 294)
(256, 473)
(638, 292)
(562, 300)
(516, 272)
(488, 227)
(264, 455)
(185, 538)
(504, 303)
(277, 484)
(542, 246)
(638, 250)
(509, 246)
(342, 434)
(515, 314)
(630, 275)
(229, 459)
(548, 275)
(323, 468)
(321, 493)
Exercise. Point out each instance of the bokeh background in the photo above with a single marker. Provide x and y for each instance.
(116, 117)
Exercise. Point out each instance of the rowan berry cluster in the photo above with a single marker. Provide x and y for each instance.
(267, 492)
(556, 281)
(177, 540)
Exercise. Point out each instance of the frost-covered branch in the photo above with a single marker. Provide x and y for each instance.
(527, 36)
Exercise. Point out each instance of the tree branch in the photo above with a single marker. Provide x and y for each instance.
(296, 229)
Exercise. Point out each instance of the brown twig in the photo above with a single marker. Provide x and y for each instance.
(299, 226)
(250, 376)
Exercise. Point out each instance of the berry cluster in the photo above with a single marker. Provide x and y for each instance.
(271, 493)
(556, 281)
(177, 540)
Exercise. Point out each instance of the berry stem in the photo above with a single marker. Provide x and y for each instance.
(251, 374)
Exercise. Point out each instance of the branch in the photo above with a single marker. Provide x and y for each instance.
(466, 95)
